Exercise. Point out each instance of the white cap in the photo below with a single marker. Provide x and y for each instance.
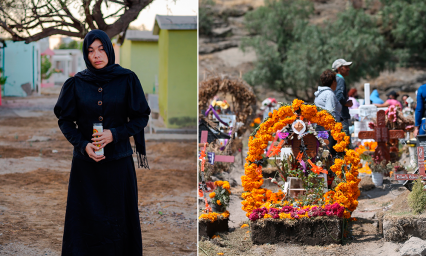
(340, 62)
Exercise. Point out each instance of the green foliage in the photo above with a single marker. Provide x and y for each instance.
(222, 195)
(205, 17)
(292, 53)
(71, 45)
(45, 67)
(404, 23)
(417, 197)
(3, 79)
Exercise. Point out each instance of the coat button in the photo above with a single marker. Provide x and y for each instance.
(101, 118)
(100, 89)
(99, 102)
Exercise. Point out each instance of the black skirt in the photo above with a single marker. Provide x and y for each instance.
(102, 216)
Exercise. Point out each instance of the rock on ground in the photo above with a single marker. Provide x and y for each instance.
(413, 247)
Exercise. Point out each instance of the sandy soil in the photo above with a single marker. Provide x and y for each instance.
(34, 181)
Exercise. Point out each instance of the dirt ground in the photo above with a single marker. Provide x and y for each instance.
(35, 160)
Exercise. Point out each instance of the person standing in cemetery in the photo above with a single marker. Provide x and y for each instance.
(326, 99)
(391, 101)
(102, 216)
(342, 68)
(404, 100)
(419, 114)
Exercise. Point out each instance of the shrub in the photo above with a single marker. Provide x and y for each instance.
(417, 197)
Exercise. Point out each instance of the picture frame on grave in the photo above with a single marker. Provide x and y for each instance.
(311, 143)
(421, 142)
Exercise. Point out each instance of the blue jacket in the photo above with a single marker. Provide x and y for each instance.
(342, 96)
(375, 98)
(420, 108)
(120, 105)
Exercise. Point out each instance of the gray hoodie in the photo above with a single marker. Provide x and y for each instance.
(326, 99)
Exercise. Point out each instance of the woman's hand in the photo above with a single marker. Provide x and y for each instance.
(416, 130)
(104, 138)
(90, 150)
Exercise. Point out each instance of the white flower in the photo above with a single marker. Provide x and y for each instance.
(273, 180)
(325, 153)
(319, 163)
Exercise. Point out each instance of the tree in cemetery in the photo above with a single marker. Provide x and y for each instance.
(33, 20)
(403, 25)
(206, 17)
(292, 53)
(417, 197)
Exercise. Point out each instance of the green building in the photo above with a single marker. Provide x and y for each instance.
(177, 76)
(139, 53)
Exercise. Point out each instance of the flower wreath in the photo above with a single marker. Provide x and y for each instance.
(345, 193)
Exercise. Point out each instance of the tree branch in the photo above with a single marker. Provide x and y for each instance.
(89, 18)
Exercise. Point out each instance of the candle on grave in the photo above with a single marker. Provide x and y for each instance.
(367, 93)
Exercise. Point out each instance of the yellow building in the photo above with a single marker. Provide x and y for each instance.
(139, 53)
(177, 75)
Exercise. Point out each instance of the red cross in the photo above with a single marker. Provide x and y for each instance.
(381, 135)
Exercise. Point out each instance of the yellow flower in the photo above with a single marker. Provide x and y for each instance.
(220, 253)
(218, 202)
(212, 194)
(225, 214)
(244, 225)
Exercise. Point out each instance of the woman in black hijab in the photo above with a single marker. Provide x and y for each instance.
(102, 216)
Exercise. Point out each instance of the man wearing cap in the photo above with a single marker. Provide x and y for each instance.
(341, 66)
(391, 101)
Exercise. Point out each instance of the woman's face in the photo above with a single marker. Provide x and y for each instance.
(334, 85)
(97, 55)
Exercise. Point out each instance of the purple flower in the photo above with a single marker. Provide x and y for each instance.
(283, 135)
(287, 209)
(323, 135)
(253, 216)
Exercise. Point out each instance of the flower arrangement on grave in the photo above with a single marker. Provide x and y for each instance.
(294, 126)
(220, 196)
(395, 120)
(256, 122)
(378, 166)
(366, 152)
(396, 167)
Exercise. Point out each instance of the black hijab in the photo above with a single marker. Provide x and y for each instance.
(111, 70)
(104, 75)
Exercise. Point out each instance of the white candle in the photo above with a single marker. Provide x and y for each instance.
(98, 127)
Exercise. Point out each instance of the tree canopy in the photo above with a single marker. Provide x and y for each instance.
(404, 23)
(33, 20)
(292, 53)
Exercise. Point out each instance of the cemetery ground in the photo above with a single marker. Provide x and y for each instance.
(34, 170)
(367, 232)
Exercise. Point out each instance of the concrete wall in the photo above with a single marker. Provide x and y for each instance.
(142, 58)
(22, 68)
(125, 56)
(163, 47)
(145, 63)
(182, 79)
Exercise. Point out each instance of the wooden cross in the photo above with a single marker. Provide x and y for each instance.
(381, 135)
